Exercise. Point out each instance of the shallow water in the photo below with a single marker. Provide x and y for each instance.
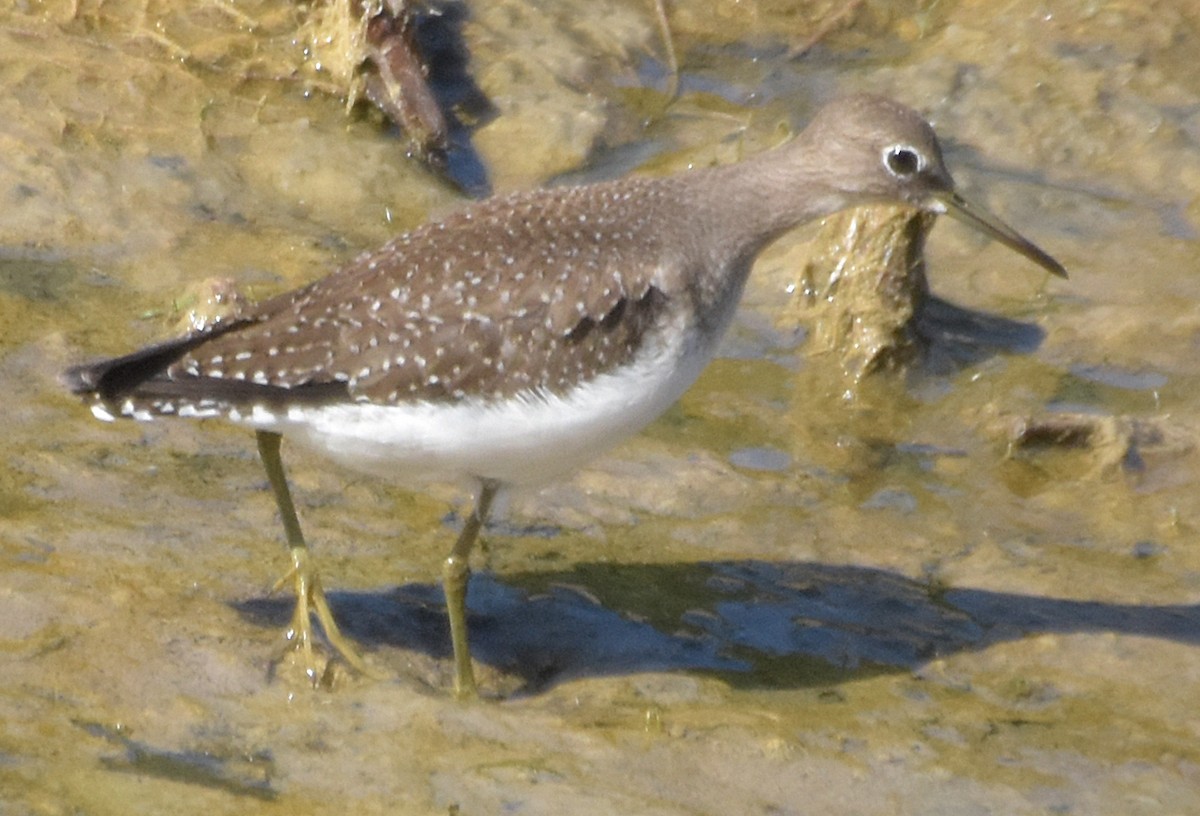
(777, 599)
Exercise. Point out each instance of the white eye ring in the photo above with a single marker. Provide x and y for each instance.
(903, 161)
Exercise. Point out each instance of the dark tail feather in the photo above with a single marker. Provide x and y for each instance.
(235, 392)
(121, 375)
(138, 376)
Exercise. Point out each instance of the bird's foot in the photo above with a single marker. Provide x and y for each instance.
(310, 603)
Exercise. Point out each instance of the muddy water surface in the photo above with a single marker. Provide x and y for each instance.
(788, 596)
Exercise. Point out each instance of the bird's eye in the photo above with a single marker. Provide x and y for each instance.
(902, 161)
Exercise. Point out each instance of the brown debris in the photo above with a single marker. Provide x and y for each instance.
(664, 28)
(410, 63)
(398, 84)
(206, 303)
(1115, 442)
(864, 286)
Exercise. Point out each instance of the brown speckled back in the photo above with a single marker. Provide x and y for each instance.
(462, 307)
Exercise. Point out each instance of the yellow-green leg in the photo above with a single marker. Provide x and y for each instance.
(455, 572)
(310, 597)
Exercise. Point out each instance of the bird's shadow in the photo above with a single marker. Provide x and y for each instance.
(755, 624)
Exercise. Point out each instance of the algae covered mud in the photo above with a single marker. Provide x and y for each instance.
(776, 599)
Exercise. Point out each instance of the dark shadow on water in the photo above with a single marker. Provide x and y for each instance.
(956, 337)
(229, 772)
(464, 104)
(755, 624)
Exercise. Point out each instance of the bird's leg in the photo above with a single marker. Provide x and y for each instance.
(310, 597)
(455, 572)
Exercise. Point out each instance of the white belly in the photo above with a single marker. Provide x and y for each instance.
(528, 441)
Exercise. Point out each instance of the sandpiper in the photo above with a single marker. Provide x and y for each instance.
(519, 338)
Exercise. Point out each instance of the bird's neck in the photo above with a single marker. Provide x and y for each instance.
(733, 212)
(755, 201)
